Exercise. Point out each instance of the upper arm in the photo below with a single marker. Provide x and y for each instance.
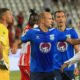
(74, 34)
(0, 44)
(26, 37)
(2, 37)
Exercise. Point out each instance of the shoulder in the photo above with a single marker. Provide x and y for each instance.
(3, 28)
(27, 28)
(51, 29)
(36, 29)
(69, 28)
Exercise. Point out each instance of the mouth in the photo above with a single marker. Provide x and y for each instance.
(60, 22)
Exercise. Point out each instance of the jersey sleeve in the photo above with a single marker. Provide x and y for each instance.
(2, 38)
(74, 34)
(26, 37)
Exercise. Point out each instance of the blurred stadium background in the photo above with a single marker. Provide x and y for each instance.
(71, 7)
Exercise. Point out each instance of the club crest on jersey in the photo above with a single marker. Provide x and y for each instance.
(45, 47)
(37, 37)
(52, 37)
(62, 46)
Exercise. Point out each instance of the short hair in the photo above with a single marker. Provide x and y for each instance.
(59, 11)
(2, 11)
(41, 15)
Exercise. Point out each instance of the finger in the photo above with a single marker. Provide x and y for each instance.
(61, 69)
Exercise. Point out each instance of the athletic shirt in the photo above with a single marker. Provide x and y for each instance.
(42, 48)
(25, 51)
(5, 43)
(64, 50)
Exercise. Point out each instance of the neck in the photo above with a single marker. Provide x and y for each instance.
(61, 28)
(43, 28)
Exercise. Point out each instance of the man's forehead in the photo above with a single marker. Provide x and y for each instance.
(60, 13)
(48, 15)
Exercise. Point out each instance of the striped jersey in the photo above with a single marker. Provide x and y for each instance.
(25, 50)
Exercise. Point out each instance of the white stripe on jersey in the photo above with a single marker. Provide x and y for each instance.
(51, 29)
(37, 29)
(24, 47)
(68, 28)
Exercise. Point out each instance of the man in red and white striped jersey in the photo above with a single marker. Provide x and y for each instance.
(24, 62)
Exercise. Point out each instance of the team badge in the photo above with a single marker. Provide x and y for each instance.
(37, 37)
(45, 47)
(62, 46)
(3, 32)
(52, 37)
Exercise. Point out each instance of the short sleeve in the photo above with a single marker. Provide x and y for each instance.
(3, 37)
(74, 34)
(26, 37)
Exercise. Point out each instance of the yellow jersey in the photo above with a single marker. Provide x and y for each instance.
(5, 42)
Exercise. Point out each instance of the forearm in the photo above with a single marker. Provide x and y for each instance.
(17, 43)
(1, 53)
(73, 41)
(74, 59)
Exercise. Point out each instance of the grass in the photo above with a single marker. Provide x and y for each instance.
(15, 75)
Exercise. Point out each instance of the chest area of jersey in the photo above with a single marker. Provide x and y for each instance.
(5, 36)
(63, 46)
(38, 38)
(44, 42)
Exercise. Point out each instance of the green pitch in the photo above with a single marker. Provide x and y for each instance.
(15, 75)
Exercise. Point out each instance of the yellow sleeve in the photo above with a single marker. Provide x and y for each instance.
(2, 37)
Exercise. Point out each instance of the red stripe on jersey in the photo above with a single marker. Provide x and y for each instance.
(25, 57)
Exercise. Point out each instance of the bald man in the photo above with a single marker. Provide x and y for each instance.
(43, 41)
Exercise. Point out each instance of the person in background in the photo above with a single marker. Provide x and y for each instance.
(5, 19)
(64, 50)
(20, 20)
(24, 62)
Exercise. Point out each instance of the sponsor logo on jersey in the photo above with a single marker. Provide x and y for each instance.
(45, 47)
(62, 46)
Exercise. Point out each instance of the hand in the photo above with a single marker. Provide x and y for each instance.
(14, 48)
(76, 71)
(3, 65)
(63, 66)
